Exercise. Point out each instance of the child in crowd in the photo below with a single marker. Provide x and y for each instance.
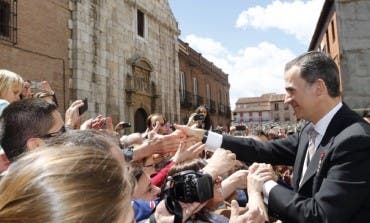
(11, 85)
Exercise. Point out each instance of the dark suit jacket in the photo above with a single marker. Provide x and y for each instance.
(336, 186)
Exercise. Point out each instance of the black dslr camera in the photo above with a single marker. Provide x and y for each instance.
(191, 186)
(198, 117)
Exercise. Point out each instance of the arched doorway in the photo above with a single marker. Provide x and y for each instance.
(140, 120)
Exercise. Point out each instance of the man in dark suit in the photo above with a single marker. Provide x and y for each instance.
(331, 183)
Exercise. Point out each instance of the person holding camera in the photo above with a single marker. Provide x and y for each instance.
(200, 119)
(194, 190)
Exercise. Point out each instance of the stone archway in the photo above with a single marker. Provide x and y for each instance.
(140, 120)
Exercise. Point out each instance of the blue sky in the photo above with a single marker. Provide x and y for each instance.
(251, 40)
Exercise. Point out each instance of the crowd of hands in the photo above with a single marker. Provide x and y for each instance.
(184, 144)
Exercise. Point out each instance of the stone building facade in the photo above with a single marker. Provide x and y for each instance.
(202, 83)
(124, 58)
(343, 32)
(266, 109)
(34, 40)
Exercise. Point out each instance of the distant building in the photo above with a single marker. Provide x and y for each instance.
(269, 108)
(201, 82)
(343, 32)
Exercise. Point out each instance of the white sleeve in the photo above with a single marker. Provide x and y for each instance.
(214, 141)
(267, 187)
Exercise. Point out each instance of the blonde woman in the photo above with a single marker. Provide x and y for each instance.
(65, 184)
(11, 85)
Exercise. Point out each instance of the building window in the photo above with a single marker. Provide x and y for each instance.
(286, 106)
(182, 85)
(195, 88)
(287, 118)
(219, 97)
(140, 23)
(8, 20)
(276, 107)
(208, 95)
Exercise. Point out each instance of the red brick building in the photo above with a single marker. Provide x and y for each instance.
(34, 41)
(201, 82)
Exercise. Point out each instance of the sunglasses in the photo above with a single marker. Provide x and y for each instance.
(53, 134)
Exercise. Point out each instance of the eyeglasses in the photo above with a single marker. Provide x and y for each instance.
(53, 134)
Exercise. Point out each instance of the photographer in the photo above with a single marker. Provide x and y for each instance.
(200, 208)
(200, 119)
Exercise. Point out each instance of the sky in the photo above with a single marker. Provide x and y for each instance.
(250, 40)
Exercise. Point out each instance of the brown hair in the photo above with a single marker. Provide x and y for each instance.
(196, 164)
(60, 184)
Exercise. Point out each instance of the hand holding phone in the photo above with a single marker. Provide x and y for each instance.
(122, 125)
(84, 107)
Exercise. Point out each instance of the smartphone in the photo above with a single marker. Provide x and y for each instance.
(84, 107)
(124, 125)
(198, 117)
(36, 85)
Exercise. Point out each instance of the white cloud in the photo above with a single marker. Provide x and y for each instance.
(252, 71)
(294, 18)
(205, 45)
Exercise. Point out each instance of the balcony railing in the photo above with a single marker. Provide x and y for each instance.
(198, 100)
(186, 99)
(221, 109)
(212, 108)
(228, 112)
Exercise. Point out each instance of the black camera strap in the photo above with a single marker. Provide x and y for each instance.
(174, 207)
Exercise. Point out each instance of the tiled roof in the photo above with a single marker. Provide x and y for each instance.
(270, 97)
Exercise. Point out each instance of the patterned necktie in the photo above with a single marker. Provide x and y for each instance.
(312, 134)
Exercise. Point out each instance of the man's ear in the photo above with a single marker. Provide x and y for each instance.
(33, 143)
(320, 87)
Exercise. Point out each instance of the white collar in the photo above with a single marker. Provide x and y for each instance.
(323, 123)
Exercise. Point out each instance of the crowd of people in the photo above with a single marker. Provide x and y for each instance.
(61, 168)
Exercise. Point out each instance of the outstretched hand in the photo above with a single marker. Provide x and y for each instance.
(254, 215)
(188, 153)
(196, 133)
(188, 209)
(72, 116)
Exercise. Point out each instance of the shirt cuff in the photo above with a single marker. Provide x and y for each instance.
(267, 187)
(214, 141)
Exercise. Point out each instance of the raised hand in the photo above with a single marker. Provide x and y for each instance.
(254, 215)
(221, 162)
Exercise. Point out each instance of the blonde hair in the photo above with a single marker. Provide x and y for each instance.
(64, 184)
(9, 79)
